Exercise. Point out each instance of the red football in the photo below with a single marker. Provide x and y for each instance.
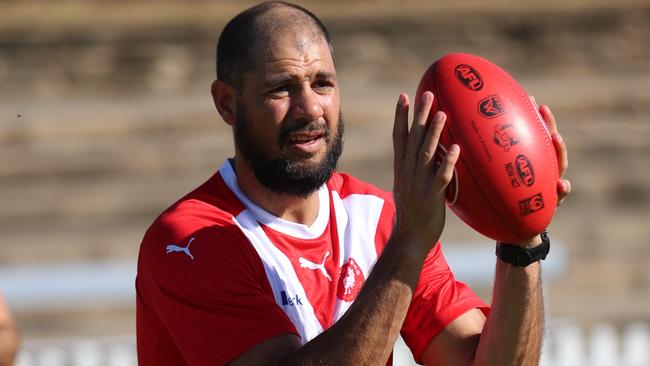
(504, 183)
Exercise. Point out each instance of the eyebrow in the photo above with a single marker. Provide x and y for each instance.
(277, 80)
(286, 77)
(325, 75)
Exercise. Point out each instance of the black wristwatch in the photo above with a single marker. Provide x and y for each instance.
(520, 257)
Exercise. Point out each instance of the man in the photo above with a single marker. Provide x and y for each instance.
(9, 339)
(276, 259)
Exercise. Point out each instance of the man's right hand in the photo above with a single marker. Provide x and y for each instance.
(418, 189)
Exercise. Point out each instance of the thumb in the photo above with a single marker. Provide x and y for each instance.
(446, 170)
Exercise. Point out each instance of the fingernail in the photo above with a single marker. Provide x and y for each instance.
(559, 138)
(425, 97)
(454, 149)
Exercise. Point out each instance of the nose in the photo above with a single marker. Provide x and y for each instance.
(307, 105)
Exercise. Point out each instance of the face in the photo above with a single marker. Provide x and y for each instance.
(288, 124)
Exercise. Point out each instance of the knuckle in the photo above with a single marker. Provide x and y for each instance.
(445, 179)
(444, 175)
(447, 175)
(425, 154)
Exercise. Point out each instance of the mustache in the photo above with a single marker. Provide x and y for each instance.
(289, 131)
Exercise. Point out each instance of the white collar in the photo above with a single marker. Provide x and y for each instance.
(266, 218)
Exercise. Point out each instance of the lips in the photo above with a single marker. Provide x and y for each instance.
(306, 143)
(302, 138)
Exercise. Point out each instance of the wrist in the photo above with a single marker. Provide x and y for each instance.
(410, 243)
(523, 254)
(531, 243)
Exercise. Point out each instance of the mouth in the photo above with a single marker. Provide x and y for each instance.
(303, 138)
(307, 142)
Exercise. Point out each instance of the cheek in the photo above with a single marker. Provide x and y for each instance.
(266, 119)
(332, 108)
(274, 110)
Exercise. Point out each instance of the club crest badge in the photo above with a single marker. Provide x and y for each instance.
(350, 281)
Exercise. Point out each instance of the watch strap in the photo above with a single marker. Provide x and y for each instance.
(521, 257)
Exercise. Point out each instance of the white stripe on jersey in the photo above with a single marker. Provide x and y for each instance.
(357, 217)
(282, 277)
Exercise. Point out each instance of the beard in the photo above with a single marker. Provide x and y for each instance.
(281, 174)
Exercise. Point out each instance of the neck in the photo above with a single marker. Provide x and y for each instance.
(285, 206)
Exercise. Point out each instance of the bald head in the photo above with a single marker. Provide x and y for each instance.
(251, 34)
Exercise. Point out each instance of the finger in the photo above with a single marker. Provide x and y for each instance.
(446, 170)
(562, 153)
(417, 131)
(549, 118)
(563, 190)
(430, 144)
(400, 132)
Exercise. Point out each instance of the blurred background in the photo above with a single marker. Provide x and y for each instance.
(106, 119)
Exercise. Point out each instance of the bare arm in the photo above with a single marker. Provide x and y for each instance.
(513, 333)
(366, 333)
(8, 335)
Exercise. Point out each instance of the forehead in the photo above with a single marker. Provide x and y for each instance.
(291, 52)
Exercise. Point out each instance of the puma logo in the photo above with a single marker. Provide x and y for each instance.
(175, 248)
(306, 263)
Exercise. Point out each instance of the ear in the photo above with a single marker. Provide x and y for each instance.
(225, 99)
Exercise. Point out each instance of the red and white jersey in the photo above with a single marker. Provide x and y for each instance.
(218, 274)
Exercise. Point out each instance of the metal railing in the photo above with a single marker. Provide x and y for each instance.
(82, 351)
(62, 285)
(566, 344)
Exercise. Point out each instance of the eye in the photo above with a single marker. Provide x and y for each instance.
(280, 91)
(323, 86)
